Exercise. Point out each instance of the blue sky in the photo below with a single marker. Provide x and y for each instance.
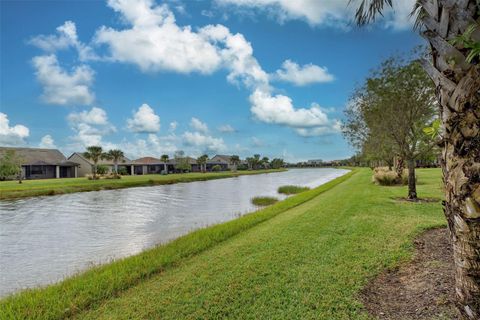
(238, 77)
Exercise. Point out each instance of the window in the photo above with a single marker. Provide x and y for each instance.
(37, 170)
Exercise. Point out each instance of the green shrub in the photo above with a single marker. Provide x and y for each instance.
(216, 168)
(264, 201)
(102, 169)
(123, 171)
(292, 189)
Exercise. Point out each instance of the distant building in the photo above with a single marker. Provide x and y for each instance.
(316, 162)
(43, 163)
(224, 161)
(86, 165)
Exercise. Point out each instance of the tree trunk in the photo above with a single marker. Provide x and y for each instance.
(94, 171)
(399, 169)
(458, 92)
(116, 168)
(412, 183)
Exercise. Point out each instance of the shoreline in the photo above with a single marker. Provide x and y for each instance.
(11, 190)
(79, 292)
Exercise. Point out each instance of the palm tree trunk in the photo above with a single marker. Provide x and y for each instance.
(94, 171)
(412, 184)
(458, 92)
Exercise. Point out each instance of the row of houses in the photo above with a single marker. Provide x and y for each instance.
(51, 163)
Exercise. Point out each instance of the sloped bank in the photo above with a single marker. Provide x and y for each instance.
(90, 288)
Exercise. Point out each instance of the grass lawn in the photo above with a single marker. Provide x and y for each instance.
(308, 259)
(44, 187)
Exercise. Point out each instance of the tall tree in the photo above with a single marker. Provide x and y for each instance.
(277, 163)
(234, 161)
(115, 155)
(396, 103)
(265, 162)
(451, 28)
(202, 162)
(11, 165)
(95, 153)
(181, 161)
(256, 161)
(164, 159)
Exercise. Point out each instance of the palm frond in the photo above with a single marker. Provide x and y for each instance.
(368, 10)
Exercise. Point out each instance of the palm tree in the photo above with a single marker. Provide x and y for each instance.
(451, 28)
(95, 153)
(202, 162)
(234, 161)
(116, 155)
(265, 162)
(256, 161)
(164, 159)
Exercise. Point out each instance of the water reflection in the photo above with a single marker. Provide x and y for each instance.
(45, 239)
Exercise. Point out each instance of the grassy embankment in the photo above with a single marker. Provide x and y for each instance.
(47, 187)
(309, 260)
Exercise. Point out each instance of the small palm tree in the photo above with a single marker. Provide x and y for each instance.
(202, 162)
(164, 159)
(256, 161)
(116, 155)
(265, 162)
(95, 153)
(234, 161)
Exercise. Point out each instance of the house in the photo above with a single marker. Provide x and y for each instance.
(86, 164)
(43, 163)
(315, 163)
(224, 161)
(151, 165)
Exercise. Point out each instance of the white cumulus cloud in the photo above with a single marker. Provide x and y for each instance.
(65, 38)
(47, 142)
(160, 44)
(302, 75)
(96, 116)
(60, 86)
(89, 128)
(12, 135)
(333, 13)
(198, 125)
(226, 128)
(278, 109)
(144, 120)
(205, 143)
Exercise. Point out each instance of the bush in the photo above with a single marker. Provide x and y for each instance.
(385, 177)
(102, 169)
(264, 201)
(292, 189)
(123, 171)
(216, 168)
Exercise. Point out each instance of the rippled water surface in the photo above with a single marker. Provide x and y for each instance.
(44, 239)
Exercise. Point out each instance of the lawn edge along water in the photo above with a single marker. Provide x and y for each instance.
(90, 288)
(85, 185)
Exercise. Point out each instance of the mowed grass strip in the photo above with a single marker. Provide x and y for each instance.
(308, 262)
(94, 287)
(48, 187)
